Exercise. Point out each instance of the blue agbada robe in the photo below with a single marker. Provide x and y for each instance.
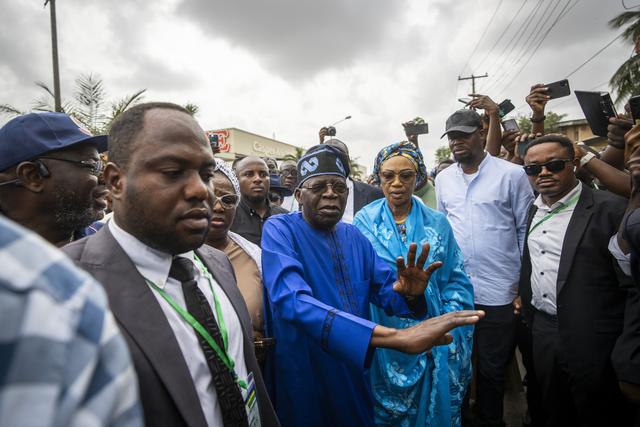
(319, 285)
(421, 390)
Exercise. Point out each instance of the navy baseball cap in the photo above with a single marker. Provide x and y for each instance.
(465, 121)
(31, 135)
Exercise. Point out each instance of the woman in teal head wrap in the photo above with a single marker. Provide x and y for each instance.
(426, 389)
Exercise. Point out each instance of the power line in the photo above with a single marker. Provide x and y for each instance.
(592, 57)
(516, 38)
(490, 51)
(551, 27)
(526, 46)
(629, 7)
(482, 36)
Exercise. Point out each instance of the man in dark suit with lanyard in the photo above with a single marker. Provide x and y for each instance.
(571, 289)
(176, 301)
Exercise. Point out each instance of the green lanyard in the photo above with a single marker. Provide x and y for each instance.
(572, 201)
(223, 355)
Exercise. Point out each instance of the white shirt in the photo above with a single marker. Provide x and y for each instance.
(624, 260)
(545, 249)
(290, 203)
(489, 219)
(154, 265)
(348, 214)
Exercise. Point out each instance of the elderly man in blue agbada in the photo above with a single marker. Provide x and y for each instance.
(320, 275)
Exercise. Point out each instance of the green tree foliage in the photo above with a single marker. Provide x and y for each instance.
(299, 152)
(626, 80)
(89, 104)
(442, 153)
(550, 123)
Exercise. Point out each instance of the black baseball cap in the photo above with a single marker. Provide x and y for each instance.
(465, 121)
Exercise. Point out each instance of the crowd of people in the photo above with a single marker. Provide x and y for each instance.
(144, 281)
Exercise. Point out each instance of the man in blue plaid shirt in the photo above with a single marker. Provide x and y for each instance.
(63, 361)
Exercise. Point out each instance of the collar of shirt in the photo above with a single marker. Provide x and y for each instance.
(152, 264)
(253, 212)
(483, 163)
(542, 206)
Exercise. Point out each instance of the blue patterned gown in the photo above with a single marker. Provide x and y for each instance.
(426, 389)
(319, 285)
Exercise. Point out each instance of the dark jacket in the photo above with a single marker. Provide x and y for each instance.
(590, 286)
(363, 194)
(167, 391)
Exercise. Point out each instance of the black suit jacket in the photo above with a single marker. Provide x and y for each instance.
(363, 194)
(167, 392)
(590, 298)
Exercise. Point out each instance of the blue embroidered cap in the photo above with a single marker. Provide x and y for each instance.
(322, 160)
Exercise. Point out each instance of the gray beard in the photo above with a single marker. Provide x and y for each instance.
(72, 213)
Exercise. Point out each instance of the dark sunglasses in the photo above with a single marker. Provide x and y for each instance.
(552, 166)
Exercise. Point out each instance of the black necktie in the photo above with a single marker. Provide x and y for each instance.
(227, 390)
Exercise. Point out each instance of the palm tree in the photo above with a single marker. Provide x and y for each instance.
(626, 80)
(355, 172)
(298, 153)
(89, 105)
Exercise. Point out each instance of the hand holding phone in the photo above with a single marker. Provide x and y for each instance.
(598, 108)
(558, 89)
(510, 125)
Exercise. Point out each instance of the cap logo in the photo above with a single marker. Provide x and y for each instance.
(309, 166)
(340, 166)
(81, 126)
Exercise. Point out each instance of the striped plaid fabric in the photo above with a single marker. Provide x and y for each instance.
(63, 361)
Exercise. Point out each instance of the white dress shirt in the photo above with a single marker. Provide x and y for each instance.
(154, 265)
(290, 203)
(348, 214)
(489, 219)
(545, 249)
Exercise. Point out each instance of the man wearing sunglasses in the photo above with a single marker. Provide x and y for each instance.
(571, 289)
(49, 168)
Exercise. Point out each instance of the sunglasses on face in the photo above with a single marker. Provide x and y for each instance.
(390, 176)
(227, 201)
(552, 166)
(321, 188)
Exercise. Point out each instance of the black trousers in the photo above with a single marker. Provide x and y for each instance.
(494, 346)
(569, 398)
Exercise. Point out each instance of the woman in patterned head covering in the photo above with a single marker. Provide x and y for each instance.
(245, 257)
(426, 389)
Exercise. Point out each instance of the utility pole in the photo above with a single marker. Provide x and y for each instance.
(54, 51)
(473, 80)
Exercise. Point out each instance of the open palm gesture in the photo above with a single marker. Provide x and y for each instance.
(413, 278)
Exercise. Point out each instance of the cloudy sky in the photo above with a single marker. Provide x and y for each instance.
(288, 67)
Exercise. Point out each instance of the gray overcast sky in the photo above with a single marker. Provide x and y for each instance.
(288, 67)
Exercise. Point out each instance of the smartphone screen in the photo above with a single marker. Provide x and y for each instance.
(505, 107)
(510, 124)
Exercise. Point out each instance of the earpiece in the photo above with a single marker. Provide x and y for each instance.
(42, 169)
(574, 168)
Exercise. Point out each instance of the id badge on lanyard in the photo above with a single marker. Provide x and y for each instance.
(251, 402)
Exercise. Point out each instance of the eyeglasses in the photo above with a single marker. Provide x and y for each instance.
(227, 201)
(390, 176)
(321, 187)
(552, 166)
(93, 166)
(289, 172)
